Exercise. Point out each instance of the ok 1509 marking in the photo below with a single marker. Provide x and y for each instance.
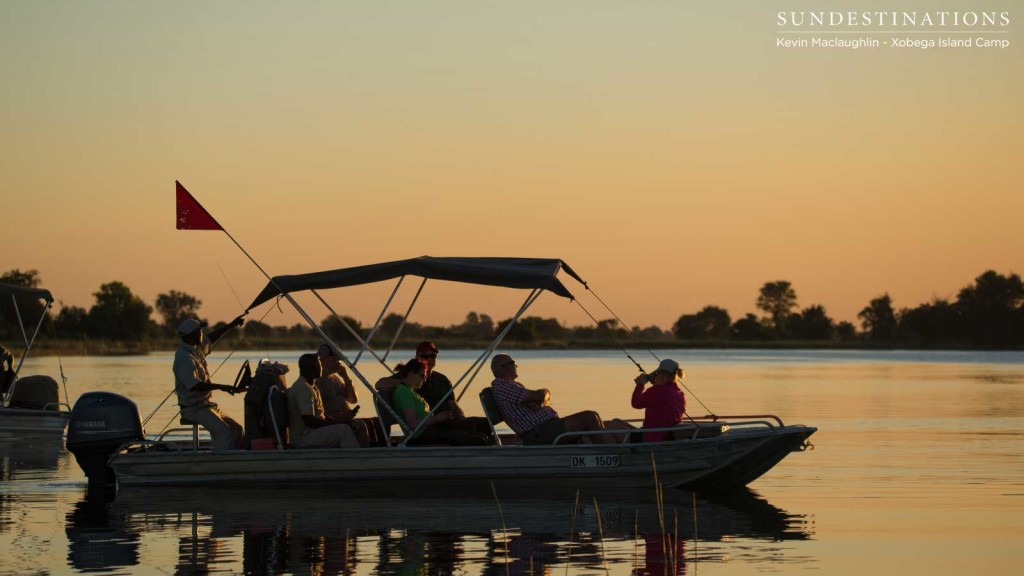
(597, 461)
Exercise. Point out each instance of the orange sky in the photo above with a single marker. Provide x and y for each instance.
(672, 155)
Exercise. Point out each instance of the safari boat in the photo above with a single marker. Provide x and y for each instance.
(29, 405)
(713, 452)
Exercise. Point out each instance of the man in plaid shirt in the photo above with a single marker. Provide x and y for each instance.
(528, 412)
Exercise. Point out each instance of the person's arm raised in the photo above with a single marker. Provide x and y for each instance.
(217, 334)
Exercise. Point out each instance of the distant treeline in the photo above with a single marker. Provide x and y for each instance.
(989, 313)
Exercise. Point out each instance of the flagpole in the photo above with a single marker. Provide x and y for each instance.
(192, 216)
(203, 220)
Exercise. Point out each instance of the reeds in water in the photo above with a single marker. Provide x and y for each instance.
(504, 529)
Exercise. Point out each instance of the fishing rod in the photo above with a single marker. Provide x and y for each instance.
(221, 365)
(642, 371)
(212, 347)
(244, 313)
(60, 363)
(651, 352)
(616, 316)
(190, 215)
(611, 335)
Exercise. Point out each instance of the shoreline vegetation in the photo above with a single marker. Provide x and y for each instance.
(69, 348)
(987, 314)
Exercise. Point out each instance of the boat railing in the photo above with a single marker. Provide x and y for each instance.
(698, 424)
(137, 444)
(717, 417)
(56, 406)
(273, 417)
(160, 438)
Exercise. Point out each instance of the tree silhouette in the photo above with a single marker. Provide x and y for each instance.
(777, 299)
(750, 328)
(711, 322)
(812, 323)
(532, 328)
(333, 327)
(879, 319)
(257, 330)
(175, 307)
(846, 332)
(933, 324)
(118, 314)
(991, 309)
(475, 326)
(71, 321)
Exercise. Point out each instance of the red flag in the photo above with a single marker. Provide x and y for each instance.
(191, 214)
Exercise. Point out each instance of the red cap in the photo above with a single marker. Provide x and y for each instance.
(426, 348)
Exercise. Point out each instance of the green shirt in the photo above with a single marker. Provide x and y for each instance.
(406, 397)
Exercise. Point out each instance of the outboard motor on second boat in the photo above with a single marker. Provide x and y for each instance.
(100, 423)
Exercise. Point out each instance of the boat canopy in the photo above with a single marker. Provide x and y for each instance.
(528, 273)
(12, 290)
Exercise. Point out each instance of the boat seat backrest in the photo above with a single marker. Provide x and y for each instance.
(386, 390)
(490, 406)
(491, 411)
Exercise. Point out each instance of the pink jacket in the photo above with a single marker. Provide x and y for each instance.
(665, 406)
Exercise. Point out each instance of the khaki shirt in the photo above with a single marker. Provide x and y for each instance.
(303, 400)
(190, 369)
(334, 393)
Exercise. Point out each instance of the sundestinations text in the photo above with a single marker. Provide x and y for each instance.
(892, 18)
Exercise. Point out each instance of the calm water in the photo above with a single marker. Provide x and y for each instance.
(918, 469)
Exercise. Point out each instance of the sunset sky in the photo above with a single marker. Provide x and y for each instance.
(671, 153)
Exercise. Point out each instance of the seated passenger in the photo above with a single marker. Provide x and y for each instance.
(309, 427)
(664, 403)
(6, 370)
(335, 387)
(438, 388)
(440, 427)
(528, 412)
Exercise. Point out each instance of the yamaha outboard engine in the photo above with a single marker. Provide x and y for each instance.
(100, 423)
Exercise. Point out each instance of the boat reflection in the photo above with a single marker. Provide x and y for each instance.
(97, 540)
(29, 455)
(340, 530)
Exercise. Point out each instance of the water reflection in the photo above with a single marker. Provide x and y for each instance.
(29, 456)
(97, 541)
(24, 463)
(342, 530)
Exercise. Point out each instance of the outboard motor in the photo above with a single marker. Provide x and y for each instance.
(100, 423)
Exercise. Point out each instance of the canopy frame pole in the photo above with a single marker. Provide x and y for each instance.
(340, 354)
(380, 318)
(28, 343)
(401, 326)
(350, 329)
(490, 349)
(21, 323)
(534, 294)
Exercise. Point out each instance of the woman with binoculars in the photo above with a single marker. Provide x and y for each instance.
(664, 402)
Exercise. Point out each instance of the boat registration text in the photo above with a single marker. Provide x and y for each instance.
(596, 461)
